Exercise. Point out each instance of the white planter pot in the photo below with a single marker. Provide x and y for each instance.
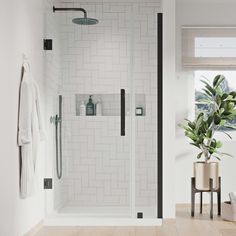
(203, 172)
(229, 211)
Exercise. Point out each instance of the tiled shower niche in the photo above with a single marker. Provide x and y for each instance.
(110, 103)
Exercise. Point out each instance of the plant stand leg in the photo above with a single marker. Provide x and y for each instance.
(211, 192)
(219, 197)
(200, 202)
(192, 196)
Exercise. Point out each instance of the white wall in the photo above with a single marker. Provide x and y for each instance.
(21, 24)
(198, 13)
(169, 96)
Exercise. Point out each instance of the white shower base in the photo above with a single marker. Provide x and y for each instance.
(77, 216)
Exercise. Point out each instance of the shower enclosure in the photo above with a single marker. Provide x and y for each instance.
(106, 172)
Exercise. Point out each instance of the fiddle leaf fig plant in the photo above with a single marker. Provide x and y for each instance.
(221, 109)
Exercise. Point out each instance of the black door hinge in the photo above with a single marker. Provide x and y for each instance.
(48, 183)
(139, 215)
(47, 44)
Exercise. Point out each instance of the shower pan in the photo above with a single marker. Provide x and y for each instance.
(104, 167)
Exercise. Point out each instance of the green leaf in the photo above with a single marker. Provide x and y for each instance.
(223, 122)
(199, 155)
(224, 96)
(209, 133)
(218, 99)
(233, 111)
(196, 145)
(218, 80)
(217, 118)
(213, 91)
(221, 110)
(200, 115)
(227, 154)
(223, 154)
(192, 125)
(191, 136)
(218, 144)
(230, 127)
(233, 93)
(230, 105)
(209, 120)
(229, 97)
(217, 157)
(226, 113)
(209, 88)
(207, 93)
(205, 101)
(199, 121)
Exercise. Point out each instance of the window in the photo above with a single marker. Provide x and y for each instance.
(209, 51)
(209, 48)
(215, 47)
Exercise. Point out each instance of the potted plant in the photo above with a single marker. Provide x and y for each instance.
(220, 109)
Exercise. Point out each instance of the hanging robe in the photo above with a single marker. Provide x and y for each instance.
(30, 131)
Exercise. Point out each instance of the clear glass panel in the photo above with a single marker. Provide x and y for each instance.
(95, 61)
(104, 173)
(145, 107)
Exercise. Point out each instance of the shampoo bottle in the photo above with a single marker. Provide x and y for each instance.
(82, 109)
(98, 108)
(90, 107)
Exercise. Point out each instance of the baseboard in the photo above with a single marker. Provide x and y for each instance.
(35, 229)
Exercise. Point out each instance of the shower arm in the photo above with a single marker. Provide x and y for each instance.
(70, 9)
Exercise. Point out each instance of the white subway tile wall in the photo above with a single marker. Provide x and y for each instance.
(96, 60)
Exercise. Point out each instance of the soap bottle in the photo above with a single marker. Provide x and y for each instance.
(98, 108)
(90, 107)
(82, 109)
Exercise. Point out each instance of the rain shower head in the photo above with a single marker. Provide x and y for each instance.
(85, 21)
(80, 21)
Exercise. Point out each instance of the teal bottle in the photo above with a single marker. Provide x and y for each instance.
(90, 107)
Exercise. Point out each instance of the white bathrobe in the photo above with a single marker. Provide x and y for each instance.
(30, 130)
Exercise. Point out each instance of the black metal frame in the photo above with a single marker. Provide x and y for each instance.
(160, 115)
(211, 191)
(70, 9)
(122, 112)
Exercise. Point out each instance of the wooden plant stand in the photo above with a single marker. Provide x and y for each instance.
(211, 191)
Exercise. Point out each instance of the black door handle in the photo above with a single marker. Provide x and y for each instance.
(122, 112)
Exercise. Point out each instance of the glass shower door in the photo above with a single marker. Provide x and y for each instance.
(95, 61)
